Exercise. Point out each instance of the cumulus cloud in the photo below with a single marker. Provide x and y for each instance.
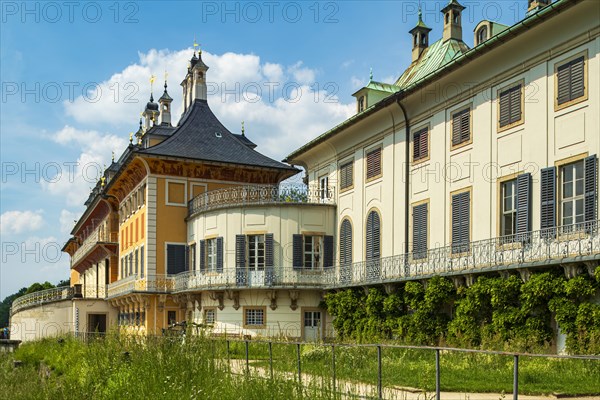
(67, 220)
(283, 106)
(16, 222)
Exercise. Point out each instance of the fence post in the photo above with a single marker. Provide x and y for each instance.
(379, 384)
(228, 357)
(437, 374)
(299, 367)
(516, 378)
(333, 367)
(247, 358)
(271, 358)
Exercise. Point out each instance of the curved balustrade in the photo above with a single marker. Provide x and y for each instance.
(136, 284)
(259, 195)
(42, 297)
(101, 234)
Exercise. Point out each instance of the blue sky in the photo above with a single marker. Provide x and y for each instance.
(75, 76)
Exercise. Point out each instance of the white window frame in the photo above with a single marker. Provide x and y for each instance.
(574, 198)
(312, 252)
(254, 252)
(504, 212)
(211, 255)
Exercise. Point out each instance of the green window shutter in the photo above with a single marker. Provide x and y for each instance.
(577, 84)
(591, 188)
(420, 231)
(297, 259)
(515, 104)
(504, 108)
(176, 258)
(241, 276)
(346, 243)
(563, 83)
(548, 198)
(327, 251)
(373, 236)
(219, 254)
(461, 220)
(269, 259)
(523, 205)
(203, 256)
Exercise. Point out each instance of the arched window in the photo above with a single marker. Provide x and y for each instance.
(373, 236)
(482, 35)
(447, 18)
(346, 243)
(456, 17)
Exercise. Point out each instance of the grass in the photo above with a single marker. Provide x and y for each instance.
(140, 368)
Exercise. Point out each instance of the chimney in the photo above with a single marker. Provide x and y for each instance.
(452, 20)
(420, 34)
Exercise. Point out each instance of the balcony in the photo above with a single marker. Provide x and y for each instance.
(152, 284)
(102, 238)
(240, 196)
(577, 243)
(42, 297)
(275, 278)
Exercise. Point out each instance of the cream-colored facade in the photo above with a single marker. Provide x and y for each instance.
(476, 161)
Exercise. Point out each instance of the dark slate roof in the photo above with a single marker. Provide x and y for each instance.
(162, 130)
(201, 136)
(244, 139)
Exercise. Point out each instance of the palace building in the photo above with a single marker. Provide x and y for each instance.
(475, 161)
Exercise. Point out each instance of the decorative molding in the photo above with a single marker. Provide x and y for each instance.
(272, 295)
(294, 294)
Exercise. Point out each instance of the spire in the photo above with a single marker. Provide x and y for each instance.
(452, 20)
(371, 75)
(420, 34)
(151, 111)
(113, 157)
(243, 129)
(165, 105)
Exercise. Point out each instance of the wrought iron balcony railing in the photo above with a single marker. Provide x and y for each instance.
(101, 234)
(136, 284)
(259, 195)
(560, 245)
(276, 277)
(42, 297)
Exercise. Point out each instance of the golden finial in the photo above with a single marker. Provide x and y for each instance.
(131, 137)
(102, 180)
(139, 140)
(197, 45)
(113, 156)
(243, 129)
(152, 79)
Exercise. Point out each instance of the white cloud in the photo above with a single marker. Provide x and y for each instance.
(15, 222)
(357, 83)
(240, 88)
(74, 181)
(67, 220)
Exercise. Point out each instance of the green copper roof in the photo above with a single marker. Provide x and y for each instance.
(433, 58)
(497, 28)
(382, 87)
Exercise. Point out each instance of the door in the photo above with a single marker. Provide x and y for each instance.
(312, 326)
(97, 323)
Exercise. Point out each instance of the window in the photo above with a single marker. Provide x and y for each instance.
(572, 193)
(211, 255)
(136, 261)
(374, 163)
(324, 189)
(142, 261)
(421, 145)
(482, 35)
(461, 127)
(313, 248)
(361, 103)
(346, 243)
(510, 106)
(508, 217)
(420, 212)
(210, 316)
(461, 222)
(254, 317)
(171, 317)
(346, 175)
(570, 80)
(192, 257)
(176, 258)
(256, 252)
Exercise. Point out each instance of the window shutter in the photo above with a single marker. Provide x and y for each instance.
(460, 222)
(203, 256)
(328, 252)
(461, 127)
(346, 243)
(563, 83)
(420, 231)
(240, 260)
(373, 236)
(374, 163)
(297, 251)
(504, 108)
(219, 254)
(523, 205)
(142, 267)
(420, 144)
(548, 198)
(591, 188)
(416, 146)
(176, 258)
(515, 104)
(346, 175)
(269, 259)
(577, 78)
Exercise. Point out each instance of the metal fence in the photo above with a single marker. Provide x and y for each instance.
(42, 297)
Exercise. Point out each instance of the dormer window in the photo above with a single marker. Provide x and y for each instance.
(361, 104)
(482, 35)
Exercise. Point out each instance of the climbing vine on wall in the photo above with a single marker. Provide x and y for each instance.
(494, 312)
